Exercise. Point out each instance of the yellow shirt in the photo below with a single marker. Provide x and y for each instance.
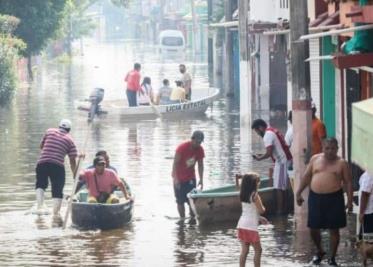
(178, 93)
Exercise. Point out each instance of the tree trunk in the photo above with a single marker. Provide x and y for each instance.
(29, 68)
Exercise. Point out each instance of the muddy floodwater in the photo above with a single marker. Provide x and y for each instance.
(142, 151)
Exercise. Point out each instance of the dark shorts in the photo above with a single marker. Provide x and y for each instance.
(326, 211)
(182, 189)
(56, 174)
(368, 225)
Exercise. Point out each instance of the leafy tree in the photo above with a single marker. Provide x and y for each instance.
(39, 22)
(9, 47)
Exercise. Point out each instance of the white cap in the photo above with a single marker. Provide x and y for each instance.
(66, 124)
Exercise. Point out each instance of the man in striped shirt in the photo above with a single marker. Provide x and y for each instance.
(55, 145)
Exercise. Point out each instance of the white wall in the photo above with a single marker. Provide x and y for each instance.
(269, 10)
(315, 73)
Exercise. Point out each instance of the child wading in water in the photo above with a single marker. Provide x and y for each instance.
(250, 218)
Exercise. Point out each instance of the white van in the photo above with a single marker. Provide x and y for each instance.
(171, 41)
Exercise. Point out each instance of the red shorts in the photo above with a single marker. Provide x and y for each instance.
(248, 236)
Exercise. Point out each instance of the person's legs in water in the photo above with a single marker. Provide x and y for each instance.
(316, 238)
(181, 210)
(257, 253)
(280, 201)
(245, 247)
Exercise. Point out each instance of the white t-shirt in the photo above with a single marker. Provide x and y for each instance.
(366, 185)
(249, 219)
(270, 139)
(289, 136)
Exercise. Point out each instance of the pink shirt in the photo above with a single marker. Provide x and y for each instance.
(105, 182)
(133, 80)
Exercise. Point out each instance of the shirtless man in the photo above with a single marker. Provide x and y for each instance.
(326, 175)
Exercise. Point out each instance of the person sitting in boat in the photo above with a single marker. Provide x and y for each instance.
(146, 93)
(100, 183)
(178, 93)
(105, 155)
(165, 93)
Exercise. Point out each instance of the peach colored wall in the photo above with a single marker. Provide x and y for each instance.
(344, 9)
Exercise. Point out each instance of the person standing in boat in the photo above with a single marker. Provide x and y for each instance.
(247, 225)
(326, 175)
(187, 81)
(276, 149)
(133, 84)
(145, 95)
(183, 173)
(164, 93)
(100, 182)
(55, 145)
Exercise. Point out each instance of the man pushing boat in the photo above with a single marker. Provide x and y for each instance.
(55, 145)
(184, 177)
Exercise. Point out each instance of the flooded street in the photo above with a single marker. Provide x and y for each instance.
(142, 152)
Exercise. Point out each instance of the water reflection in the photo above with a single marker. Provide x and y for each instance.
(142, 151)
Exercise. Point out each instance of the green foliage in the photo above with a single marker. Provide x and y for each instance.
(9, 47)
(76, 24)
(121, 3)
(39, 21)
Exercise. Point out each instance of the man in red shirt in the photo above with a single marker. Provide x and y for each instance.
(101, 183)
(183, 173)
(133, 84)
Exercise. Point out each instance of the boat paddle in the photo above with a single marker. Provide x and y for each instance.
(154, 108)
(70, 200)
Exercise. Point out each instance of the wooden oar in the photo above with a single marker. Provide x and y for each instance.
(154, 108)
(69, 202)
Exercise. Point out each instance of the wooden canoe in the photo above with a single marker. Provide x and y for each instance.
(222, 204)
(118, 108)
(86, 215)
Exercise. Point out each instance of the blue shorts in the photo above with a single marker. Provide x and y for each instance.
(182, 189)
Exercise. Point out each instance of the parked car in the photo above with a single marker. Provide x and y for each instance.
(171, 42)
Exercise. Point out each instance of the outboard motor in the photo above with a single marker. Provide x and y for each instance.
(96, 96)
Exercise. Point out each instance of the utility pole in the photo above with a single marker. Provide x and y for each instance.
(245, 78)
(245, 85)
(210, 40)
(301, 104)
(228, 65)
(195, 30)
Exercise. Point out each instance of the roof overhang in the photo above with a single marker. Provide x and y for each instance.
(225, 24)
(336, 32)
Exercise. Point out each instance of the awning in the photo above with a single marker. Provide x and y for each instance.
(311, 29)
(362, 134)
(336, 32)
(225, 24)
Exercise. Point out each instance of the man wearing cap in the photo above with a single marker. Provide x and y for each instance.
(100, 182)
(55, 145)
(184, 178)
